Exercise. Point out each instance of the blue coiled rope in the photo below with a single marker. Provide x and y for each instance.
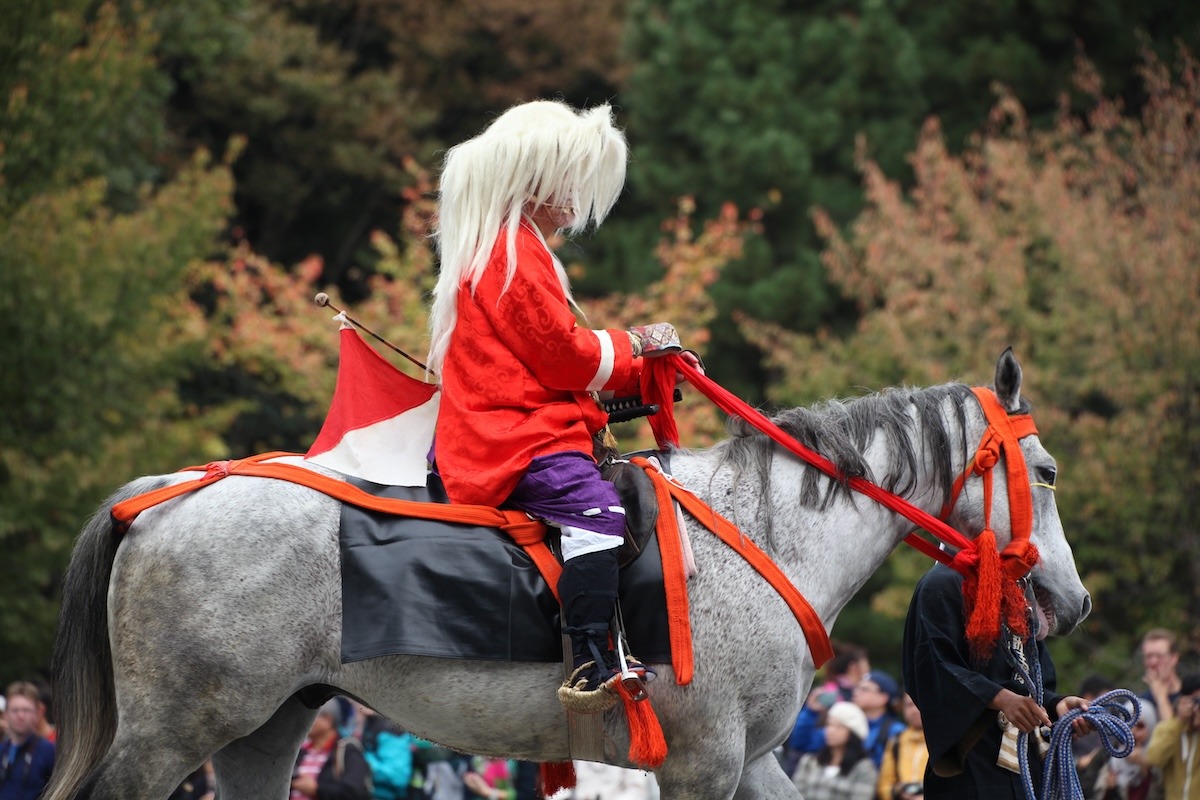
(1109, 715)
(1111, 718)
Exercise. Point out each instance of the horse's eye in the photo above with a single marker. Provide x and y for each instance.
(1047, 475)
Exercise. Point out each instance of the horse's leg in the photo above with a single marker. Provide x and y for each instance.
(701, 767)
(764, 779)
(260, 765)
(150, 756)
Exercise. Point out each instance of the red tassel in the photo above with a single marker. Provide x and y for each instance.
(647, 747)
(556, 776)
(982, 593)
(658, 387)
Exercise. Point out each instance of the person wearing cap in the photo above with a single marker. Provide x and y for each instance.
(841, 769)
(329, 767)
(875, 694)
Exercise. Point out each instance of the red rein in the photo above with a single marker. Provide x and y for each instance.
(990, 591)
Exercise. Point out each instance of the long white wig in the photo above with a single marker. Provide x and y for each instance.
(538, 153)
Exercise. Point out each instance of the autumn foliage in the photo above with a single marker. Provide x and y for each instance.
(1079, 247)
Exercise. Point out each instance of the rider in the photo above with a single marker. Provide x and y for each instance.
(519, 377)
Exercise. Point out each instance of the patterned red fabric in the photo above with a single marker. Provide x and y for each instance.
(516, 374)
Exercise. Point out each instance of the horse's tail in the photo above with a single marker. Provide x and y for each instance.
(85, 701)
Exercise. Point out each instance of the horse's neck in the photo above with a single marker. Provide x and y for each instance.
(830, 552)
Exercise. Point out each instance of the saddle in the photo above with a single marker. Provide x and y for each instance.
(634, 487)
(636, 491)
(413, 586)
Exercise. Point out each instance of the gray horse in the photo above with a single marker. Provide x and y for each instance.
(191, 636)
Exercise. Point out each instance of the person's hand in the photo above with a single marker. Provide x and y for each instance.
(306, 785)
(692, 360)
(1158, 682)
(1023, 712)
(815, 698)
(1079, 726)
(1085, 760)
(475, 782)
(1189, 711)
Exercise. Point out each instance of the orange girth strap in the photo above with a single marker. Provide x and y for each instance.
(727, 532)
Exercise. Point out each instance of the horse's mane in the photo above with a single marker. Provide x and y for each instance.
(840, 430)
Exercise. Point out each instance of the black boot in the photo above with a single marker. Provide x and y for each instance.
(588, 590)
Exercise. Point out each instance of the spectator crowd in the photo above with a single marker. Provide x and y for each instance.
(859, 736)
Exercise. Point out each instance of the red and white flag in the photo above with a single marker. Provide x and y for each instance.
(380, 424)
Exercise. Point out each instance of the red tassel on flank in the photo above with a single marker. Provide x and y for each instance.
(647, 747)
(556, 776)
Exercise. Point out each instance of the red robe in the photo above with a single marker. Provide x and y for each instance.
(517, 375)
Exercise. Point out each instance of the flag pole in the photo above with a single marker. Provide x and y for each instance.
(323, 300)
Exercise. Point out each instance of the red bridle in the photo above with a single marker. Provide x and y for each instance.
(991, 588)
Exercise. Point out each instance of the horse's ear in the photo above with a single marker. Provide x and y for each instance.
(1008, 381)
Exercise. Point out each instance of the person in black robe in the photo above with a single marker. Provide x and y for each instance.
(960, 698)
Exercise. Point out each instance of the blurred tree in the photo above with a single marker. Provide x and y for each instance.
(468, 60)
(758, 104)
(1078, 247)
(95, 323)
(761, 104)
(333, 96)
(96, 330)
(325, 137)
(83, 99)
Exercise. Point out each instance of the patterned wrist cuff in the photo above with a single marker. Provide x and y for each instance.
(635, 342)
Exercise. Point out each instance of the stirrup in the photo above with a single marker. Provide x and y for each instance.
(590, 689)
(634, 675)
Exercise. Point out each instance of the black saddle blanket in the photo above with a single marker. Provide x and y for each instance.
(424, 588)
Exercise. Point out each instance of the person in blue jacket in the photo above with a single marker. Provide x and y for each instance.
(876, 695)
(27, 759)
(389, 752)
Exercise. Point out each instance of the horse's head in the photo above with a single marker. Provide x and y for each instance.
(1062, 600)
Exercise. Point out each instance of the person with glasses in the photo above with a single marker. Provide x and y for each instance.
(27, 759)
(1160, 658)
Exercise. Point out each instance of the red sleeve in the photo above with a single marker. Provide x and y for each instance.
(534, 321)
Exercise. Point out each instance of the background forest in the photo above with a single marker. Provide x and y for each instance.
(827, 198)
